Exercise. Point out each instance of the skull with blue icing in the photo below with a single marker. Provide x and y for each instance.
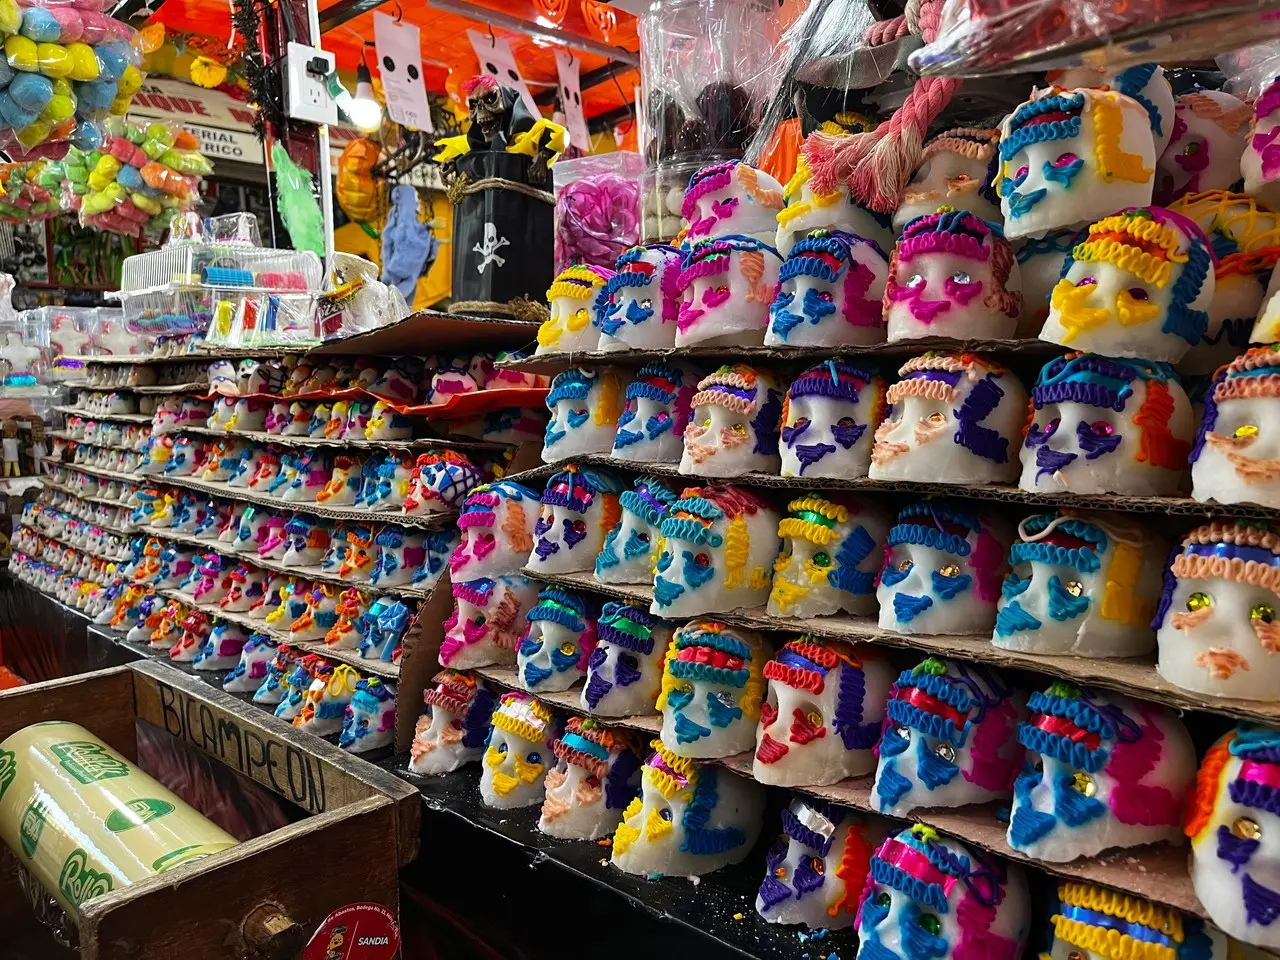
(726, 286)
(571, 300)
(438, 482)
(370, 720)
(454, 723)
(829, 417)
(637, 307)
(734, 426)
(579, 508)
(624, 672)
(496, 524)
(652, 425)
(585, 406)
(829, 292)
(1040, 265)
(596, 776)
(558, 639)
(1094, 923)
(631, 547)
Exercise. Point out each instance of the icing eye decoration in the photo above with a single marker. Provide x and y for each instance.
(1075, 588)
(706, 424)
(455, 723)
(665, 813)
(722, 291)
(1263, 612)
(946, 751)
(822, 559)
(1051, 427)
(533, 756)
(1246, 430)
(1082, 783)
(903, 732)
(780, 871)
(642, 537)
(846, 423)
(1022, 173)
(915, 281)
(580, 412)
(1191, 149)
(1065, 160)
(568, 649)
(580, 527)
(937, 417)
(814, 718)
(740, 429)
(950, 570)
(1199, 601)
(1246, 829)
(502, 748)
(702, 560)
(930, 923)
(816, 865)
(1076, 955)
(1102, 427)
(1139, 293)
(478, 619)
(1086, 282)
(961, 277)
(801, 423)
(904, 566)
(825, 295)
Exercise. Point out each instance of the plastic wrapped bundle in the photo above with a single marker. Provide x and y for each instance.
(597, 201)
(30, 191)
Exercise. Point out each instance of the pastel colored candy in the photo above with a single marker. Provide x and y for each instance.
(88, 137)
(70, 23)
(58, 109)
(21, 53)
(35, 133)
(10, 17)
(145, 203)
(84, 62)
(131, 177)
(113, 61)
(54, 60)
(31, 91)
(40, 25)
(6, 73)
(96, 26)
(14, 116)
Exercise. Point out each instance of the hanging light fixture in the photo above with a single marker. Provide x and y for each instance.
(366, 111)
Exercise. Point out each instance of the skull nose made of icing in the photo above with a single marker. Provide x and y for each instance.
(631, 547)
(571, 301)
(638, 306)
(496, 523)
(585, 406)
(455, 721)
(579, 508)
(734, 426)
(829, 418)
(829, 292)
(624, 671)
(558, 640)
(518, 753)
(658, 403)
(596, 776)
(957, 169)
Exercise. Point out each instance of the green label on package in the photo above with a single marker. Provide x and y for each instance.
(79, 881)
(137, 812)
(31, 827)
(175, 858)
(8, 770)
(88, 762)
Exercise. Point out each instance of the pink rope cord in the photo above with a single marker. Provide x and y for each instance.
(886, 31)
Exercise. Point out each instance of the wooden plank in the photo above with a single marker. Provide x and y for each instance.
(101, 702)
(420, 660)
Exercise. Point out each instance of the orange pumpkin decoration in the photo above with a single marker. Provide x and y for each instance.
(553, 10)
(358, 195)
(602, 20)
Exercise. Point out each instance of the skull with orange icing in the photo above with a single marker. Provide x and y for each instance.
(734, 425)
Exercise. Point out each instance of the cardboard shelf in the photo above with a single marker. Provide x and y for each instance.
(431, 331)
(71, 411)
(158, 389)
(417, 443)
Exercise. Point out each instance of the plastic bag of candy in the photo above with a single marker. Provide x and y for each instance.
(597, 208)
(30, 191)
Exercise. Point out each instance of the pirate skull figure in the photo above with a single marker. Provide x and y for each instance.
(624, 672)
(1236, 458)
(734, 425)
(596, 776)
(828, 418)
(631, 546)
(454, 724)
(518, 753)
(829, 292)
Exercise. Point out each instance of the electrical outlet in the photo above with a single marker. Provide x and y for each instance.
(308, 69)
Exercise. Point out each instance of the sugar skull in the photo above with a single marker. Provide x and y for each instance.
(585, 406)
(653, 422)
(325, 703)
(725, 288)
(831, 555)
(597, 775)
(731, 198)
(1068, 157)
(558, 639)
(631, 547)
(824, 203)
(1210, 133)
(624, 672)
(571, 300)
(1145, 83)
(637, 307)
(952, 274)
(274, 687)
(929, 896)
(975, 402)
(440, 479)
(400, 553)
(1260, 162)
(828, 418)
(716, 554)
(518, 752)
(222, 648)
(821, 717)
(370, 720)
(385, 423)
(487, 621)
(734, 426)
(817, 868)
(957, 169)
(496, 523)
(1040, 264)
(1235, 459)
(251, 671)
(689, 819)
(1102, 771)
(454, 724)
(307, 540)
(1093, 923)
(1103, 425)
(579, 508)
(829, 292)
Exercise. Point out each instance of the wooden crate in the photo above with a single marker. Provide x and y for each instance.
(263, 897)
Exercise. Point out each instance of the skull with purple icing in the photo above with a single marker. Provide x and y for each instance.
(828, 418)
(585, 406)
(558, 639)
(496, 523)
(731, 198)
(1210, 133)
(624, 673)
(651, 427)
(454, 723)
(957, 169)
(829, 292)
(631, 547)
(725, 287)
(597, 774)
(637, 307)
(734, 426)
(255, 657)
(579, 508)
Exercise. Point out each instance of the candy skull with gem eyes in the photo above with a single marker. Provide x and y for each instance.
(496, 524)
(1260, 162)
(1068, 157)
(821, 717)
(325, 703)
(817, 868)
(725, 288)
(571, 299)
(637, 307)
(652, 425)
(952, 274)
(487, 620)
(631, 546)
(454, 724)
(585, 406)
(712, 688)
(518, 752)
(1102, 771)
(1218, 625)
(971, 400)
(949, 738)
(731, 198)
(689, 819)
(927, 896)
(558, 639)
(1094, 923)
(828, 419)
(597, 774)
(255, 658)
(831, 555)
(734, 426)
(579, 508)
(1040, 263)
(624, 672)
(716, 554)
(1236, 458)
(1103, 425)
(823, 202)
(829, 292)
(1210, 133)
(370, 720)
(957, 169)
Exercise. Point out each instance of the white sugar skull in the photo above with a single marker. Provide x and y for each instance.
(343, 484)
(1146, 83)
(930, 896)
(487, 620)
(558, 638)
(255, 657)
(1101, 771)
(725, 289)
(1086, 920)
(949, 738)
(1260, 162)
(454, 724)
(496, 524)
(400, 553)
(222, 648)
(571, 301)
(624, 672)
(325, 703)
(828, 421)
(638, 306)
(370, 720)
(437, 482)
(579, 508)
(716, 554)
(820, 720)
(942, 570)
(689, 819)
(518, 753)
(631, 546)
(829, 292)
(1210, 133)
(957, 169)
(652, 425)
(597, 774)
(307, 542)
(1068, 157)
(387, 424)
(974, 402)
(731, 198)
(1236, 458)
(712, 688)
(1081, 585)
(585, 406)
(734, 425)
(824, 203)
(1103, 425)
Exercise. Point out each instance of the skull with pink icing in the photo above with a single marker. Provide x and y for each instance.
(496, 522)
(734, 426)
(487, 621)
(637, 307)
(726, 286)
(829, 292)
(1210, 133)
(731, 198)
(1260, 162)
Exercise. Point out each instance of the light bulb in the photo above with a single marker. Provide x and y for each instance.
(366, 112)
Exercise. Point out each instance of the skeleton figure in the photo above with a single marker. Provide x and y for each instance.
(725, 287)
(948, 738)
(734, 426)
(597, 774)
(1102, 771)
(496, 523)
(822, 713)
(656, 415)
(518, 752)
(689, 819)
(585, 406)
(825, 205)
(637, 307)
(631, 546)
(557, 642)
(624, 672)
(571, 297)
(927, 896)
(1260, 162)
(1210, 133)
(731, 197)
(485, 625)
(1236, 458)
(1094, 923)
(828, 418)
(957, 169)
(454, 724)
(370, 720)
(579, 508)
(829, 292)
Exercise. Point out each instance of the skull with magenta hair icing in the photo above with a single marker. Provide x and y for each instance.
(831, 555)
(585, 406)
(637, 307)
(596, 776)
(929, 896)
(829, 417)
(437, 484)
(817, 868)
(1040, 264)
(1139, 284)
(716, 553)
(974, 402)
(1081, 585)
(1260, 162)
(658, 402)
(1102, 770)
(1103, 425)
(952, 274)
(558, 640)
(948, 738)
(689, 819)
(1094, 923)
(1236, 458)
(725, 287)
(734, 425)
(579, 508)
(496, 523)
(821, 717)
(817, 198)
(829, 292)
(454, 724)
(1210, 133)
(624, 672)
(518, 753)
(957, 169)
(631, 547)
(731, 198)
(487, 620)
(1068, 157)
(571, 300)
